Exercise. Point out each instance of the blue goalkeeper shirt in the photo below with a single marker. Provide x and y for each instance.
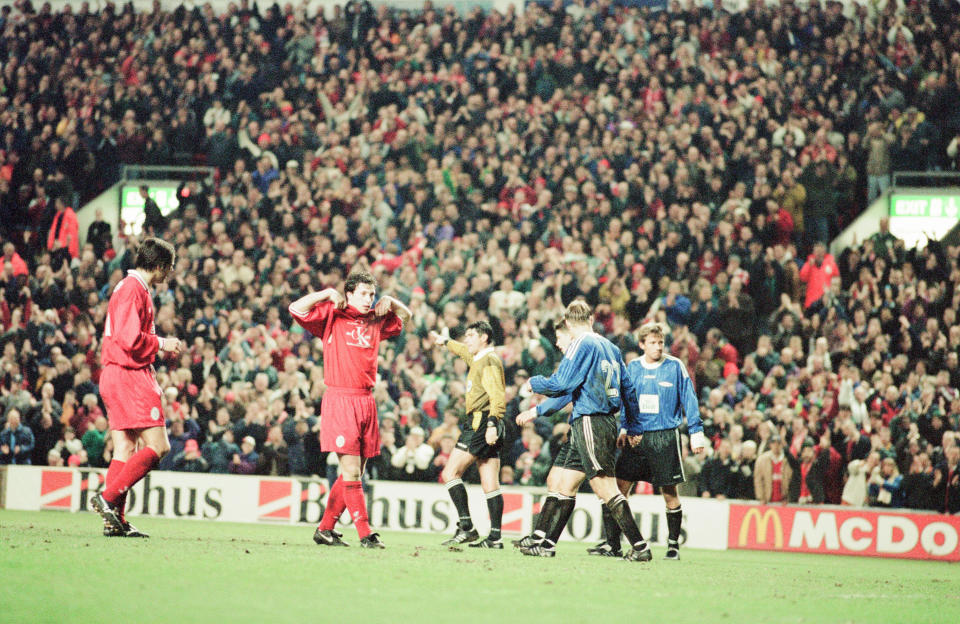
(592, 372)
(665, 395)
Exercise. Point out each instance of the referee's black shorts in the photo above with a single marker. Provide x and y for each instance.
(474, 441)
(656, 460)
(593, 445)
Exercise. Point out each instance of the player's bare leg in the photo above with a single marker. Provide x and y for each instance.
(555, 517)
(613, 499)
(351, 470)
(674, 521)
(452, 475)
(490, 482)
(154, 445)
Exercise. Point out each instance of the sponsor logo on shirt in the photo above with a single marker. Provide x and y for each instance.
(360, 336)
(666, 384)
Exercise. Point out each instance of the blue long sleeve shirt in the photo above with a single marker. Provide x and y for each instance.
(665, 395)
(553, 405)
(592, 372)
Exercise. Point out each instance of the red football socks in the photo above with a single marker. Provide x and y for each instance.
(113, 473)
(357, 504)
(137, 466)
(335, 506)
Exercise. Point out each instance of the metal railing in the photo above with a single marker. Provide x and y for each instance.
(938, 179)
(165, 172)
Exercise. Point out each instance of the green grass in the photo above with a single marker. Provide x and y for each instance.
(55, 567)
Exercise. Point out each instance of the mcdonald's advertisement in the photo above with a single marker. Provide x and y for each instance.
(839, 531)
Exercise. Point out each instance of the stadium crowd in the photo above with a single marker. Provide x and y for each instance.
(685, 166)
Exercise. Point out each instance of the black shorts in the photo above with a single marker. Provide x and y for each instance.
(656, 460)
(475, 441)
(593, 445)
(560, 457)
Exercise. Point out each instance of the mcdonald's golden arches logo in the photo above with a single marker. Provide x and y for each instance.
(762, 521)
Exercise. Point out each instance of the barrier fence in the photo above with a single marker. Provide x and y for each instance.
(425, 507)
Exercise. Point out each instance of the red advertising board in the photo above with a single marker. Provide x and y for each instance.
(831, 530)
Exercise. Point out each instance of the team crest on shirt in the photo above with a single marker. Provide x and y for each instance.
(360, 336)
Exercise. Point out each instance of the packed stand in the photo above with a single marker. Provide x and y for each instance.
(684, 167)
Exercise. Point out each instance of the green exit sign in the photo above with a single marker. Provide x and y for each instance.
(929, 206)
(165, 196)
(131, 204)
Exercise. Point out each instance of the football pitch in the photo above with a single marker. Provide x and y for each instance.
(57, 568)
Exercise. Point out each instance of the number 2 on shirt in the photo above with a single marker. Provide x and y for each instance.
(611, 378)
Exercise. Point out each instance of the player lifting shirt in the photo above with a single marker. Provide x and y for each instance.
(351, 328)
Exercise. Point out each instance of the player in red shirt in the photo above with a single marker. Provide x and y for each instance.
(350, 329)
(128, 383)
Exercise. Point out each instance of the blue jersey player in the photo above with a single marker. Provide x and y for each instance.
(547, 520)
(592, 372)
(665, 395)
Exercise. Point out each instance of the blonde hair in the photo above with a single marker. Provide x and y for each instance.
(578, 313)
(650, 328)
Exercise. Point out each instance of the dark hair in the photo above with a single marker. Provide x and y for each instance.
(483, 327)
(153, 254)
(144, 187)
(356, 278)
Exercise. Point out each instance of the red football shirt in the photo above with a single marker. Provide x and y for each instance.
(351, 342)
(129, 336)
(776, 488)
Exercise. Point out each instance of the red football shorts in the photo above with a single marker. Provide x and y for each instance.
(132, 397)
(348, 422)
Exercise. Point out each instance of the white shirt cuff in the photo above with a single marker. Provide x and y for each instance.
(698, 440)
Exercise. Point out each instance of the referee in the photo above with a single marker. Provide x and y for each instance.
(665, 395)
(482, 437)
